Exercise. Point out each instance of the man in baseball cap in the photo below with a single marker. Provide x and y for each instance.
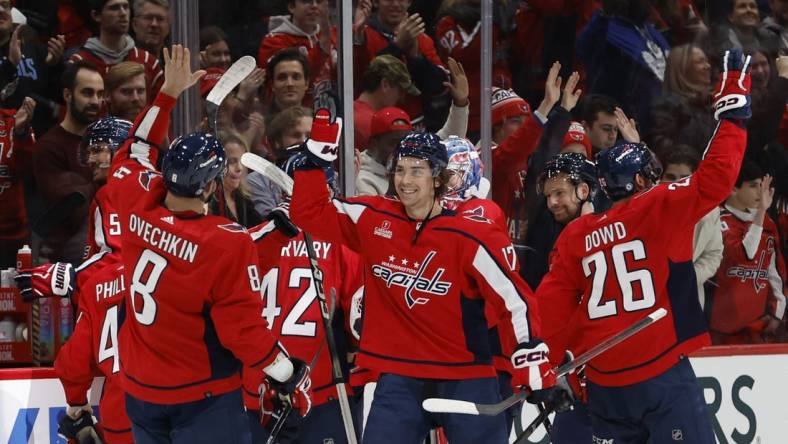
(385, 83)
(387, 128)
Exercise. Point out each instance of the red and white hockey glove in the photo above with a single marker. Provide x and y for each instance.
(532, 370)
(44, 281)
(296, 390)
(323, 142)
(732, 93)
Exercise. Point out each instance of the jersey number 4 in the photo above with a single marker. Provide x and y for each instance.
(290, 326)
(108, 344)
(596, 265)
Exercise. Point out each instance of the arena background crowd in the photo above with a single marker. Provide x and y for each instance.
(568, 76)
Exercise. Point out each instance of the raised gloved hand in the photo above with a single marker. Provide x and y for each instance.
(77, 424)
(281, 217)
(532, 371)
(46, 281)
(732, 93)
(323, 142)
(295, 390)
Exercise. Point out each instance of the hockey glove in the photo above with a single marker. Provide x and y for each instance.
(281, 217)
(533, 371)
(46, 281)
(296, 391)
(732, 96)
(323, 142)
(77, 424)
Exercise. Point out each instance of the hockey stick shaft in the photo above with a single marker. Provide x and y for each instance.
(280, 422)
(336, 368)
(231, 78)
(541, 418)
(439, 405)
(269, 170)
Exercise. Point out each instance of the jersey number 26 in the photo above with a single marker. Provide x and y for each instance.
(596, 265)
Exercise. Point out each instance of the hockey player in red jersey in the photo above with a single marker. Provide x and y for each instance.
(748, 298)
(613, 268)
(291, 309)
(192, 309)
(92, 350)
(429, 273)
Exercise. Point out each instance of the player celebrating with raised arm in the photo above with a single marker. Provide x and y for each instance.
(429, 273)
(193, 306)
(613, 268)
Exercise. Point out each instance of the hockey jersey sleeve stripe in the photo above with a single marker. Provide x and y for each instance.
(777, 284)
(98, 228)
(752, 238)
(263, 230)
(506, 289)
(91, 260)
(354, 211)
(144, 129)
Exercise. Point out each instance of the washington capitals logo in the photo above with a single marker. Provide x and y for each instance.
(146, 177)
(412, 278)
(476, 215)
(760, 273)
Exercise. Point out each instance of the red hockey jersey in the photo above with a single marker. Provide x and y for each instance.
(510, 160)
(426, 284)
(291, 308)
(154, 75)
(611, 269)
(750, 281)
(103, 224)
(13, 154)
(464, 46)
(192, 308)
(92, 350)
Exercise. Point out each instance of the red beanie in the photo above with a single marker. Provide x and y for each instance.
(577, 134)
(505, 104)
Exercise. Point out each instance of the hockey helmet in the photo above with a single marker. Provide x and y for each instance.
(465, 162)
(192, 162)
(618, 165)
(111, 131)
(425, 146)
(576, 167)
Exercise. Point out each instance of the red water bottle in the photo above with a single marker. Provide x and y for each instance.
(24, 258)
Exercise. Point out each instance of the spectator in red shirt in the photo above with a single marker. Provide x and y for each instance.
(392, 31)
(458, 36)
(385, 83)
(306, 29)
(151, 24)
(114, 44)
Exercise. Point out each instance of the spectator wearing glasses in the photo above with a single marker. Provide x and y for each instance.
(151, 24)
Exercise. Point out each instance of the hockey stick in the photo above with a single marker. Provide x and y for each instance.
(280, 422)
(231, 78)
(441, 405)
(542, 417)
(336, 368)
(269, 170)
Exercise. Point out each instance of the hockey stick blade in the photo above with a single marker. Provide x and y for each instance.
(269, 170)
(231, 78)
(441, 405)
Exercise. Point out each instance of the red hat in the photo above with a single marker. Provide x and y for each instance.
(577, 134)
(209, 80)
(505, 104)
(388, 119)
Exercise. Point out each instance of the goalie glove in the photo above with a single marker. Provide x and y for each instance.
(46, 281)
(77, 424)
(732, 97)
(323, 142)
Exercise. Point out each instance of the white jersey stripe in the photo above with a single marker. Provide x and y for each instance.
(354, 211)
(503, 286)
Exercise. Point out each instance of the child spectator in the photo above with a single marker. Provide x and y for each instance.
(748, 305)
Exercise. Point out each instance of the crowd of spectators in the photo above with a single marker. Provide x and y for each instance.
(568, 76)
